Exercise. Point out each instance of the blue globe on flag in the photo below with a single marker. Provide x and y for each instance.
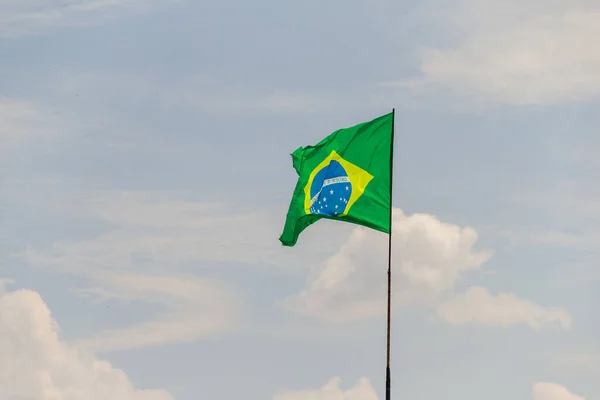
(330, 190)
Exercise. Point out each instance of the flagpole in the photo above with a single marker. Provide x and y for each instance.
(388, 378)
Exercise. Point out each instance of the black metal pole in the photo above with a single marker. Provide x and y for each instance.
(388, 378)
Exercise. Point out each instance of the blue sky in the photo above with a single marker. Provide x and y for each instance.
(145, 174)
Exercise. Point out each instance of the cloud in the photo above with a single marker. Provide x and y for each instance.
(37, 364)
(194, 308)
(429, 256)
(478, 305)
(363, 390)
(22, 121)
(518, 53)
(552, 391)
(198, 91)
(151, 236)
(26, 17)
(158, 230)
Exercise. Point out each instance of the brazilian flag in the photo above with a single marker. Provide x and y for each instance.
(346, 177)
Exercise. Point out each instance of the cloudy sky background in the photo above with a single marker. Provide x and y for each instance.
(145, 175)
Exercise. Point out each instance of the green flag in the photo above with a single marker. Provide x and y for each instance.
(346, 177)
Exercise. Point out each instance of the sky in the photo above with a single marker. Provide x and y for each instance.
(145, 174)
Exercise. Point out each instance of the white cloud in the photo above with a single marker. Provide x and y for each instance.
(158, 230)
(152, 237)
(22, 121)
(429, 256)
(552, 391)
(478, 305)
(37, 364)
(195, 308)
(154, 234)
(522, 53)
(198, 91)
(363, 390)
(25, 17)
